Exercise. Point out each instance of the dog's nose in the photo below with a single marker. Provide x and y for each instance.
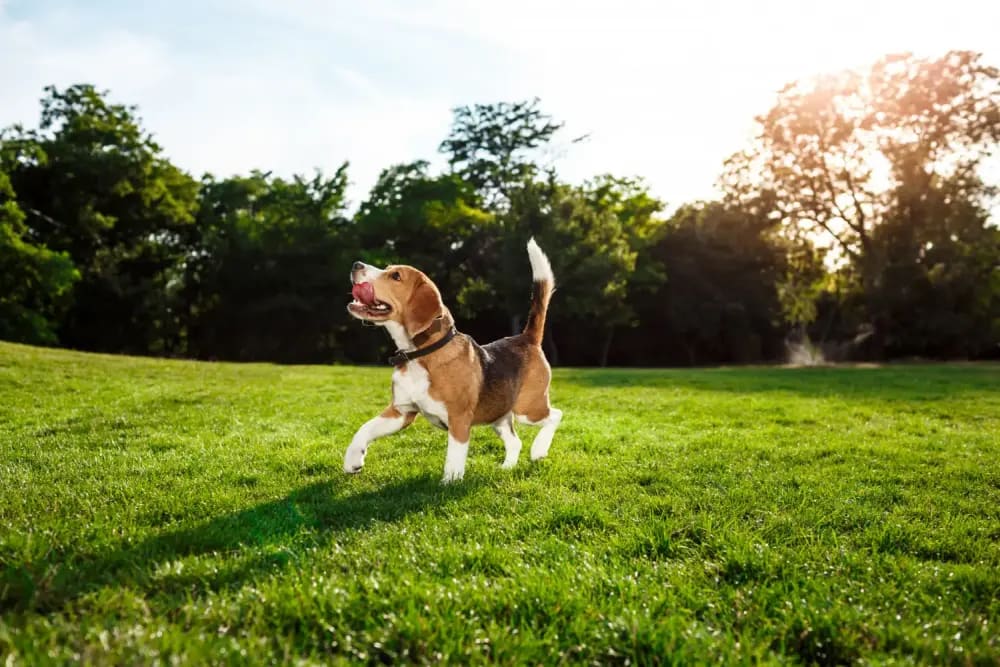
(358, 266)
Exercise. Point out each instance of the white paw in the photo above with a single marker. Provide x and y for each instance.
(453, 471)
(354, 459)
(540, 448)
(454, 462)
(508, 464)
(452, 475)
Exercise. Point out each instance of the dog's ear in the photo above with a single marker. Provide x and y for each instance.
(422, 308)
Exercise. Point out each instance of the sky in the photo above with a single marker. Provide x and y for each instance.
(665, 90)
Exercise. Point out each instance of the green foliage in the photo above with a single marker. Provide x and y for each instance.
(267, 276)
(940, 287)
(825, 147)
(492, 146)
(802, 285)
(105, 196)
(33, 279)
(108, 246)
(432, 222)
(590, 254)
(719, 300)
(638, 212)
(594, 250)
(194, 513)
(631, 202)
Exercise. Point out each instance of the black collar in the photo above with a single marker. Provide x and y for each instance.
(402, 357)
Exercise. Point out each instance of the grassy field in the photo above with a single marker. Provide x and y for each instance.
(197, 513)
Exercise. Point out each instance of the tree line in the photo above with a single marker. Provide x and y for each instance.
(856, 223)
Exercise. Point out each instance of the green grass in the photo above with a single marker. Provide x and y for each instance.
(196, 512)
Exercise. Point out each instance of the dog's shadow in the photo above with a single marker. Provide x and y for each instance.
(252, 542)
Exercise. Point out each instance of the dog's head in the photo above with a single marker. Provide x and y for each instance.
(396, 293)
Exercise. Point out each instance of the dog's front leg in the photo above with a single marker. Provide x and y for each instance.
(458, 449)
(390, 421)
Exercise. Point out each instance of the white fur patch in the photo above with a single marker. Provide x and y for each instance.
(454, 462)
(540, 446)
(354, 457)
(369, 273)
(399, 336)
(511, 443)
(541, 270)
(410, 391)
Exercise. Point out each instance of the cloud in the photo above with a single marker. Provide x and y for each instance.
(223, 115)
(30, 59)
(665, 90)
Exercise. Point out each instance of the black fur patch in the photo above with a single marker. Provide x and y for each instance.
(502, 362)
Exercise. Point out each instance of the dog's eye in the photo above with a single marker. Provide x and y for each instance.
(395, 275)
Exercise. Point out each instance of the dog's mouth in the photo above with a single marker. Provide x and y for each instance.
(365, 305)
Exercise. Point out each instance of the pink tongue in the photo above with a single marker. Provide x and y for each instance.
(365, 293)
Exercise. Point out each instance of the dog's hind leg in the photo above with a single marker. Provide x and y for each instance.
(504, 427)
(549, 421)
(532, 405)
(390, 421)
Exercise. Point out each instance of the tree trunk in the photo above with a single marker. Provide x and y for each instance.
(606, 347)
(870, 285)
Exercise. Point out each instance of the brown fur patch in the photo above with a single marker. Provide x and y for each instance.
(481, 384)
(423, 307)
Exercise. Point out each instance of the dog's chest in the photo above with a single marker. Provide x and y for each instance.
(411, 389)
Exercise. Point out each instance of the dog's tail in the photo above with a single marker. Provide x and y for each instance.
(545, 284)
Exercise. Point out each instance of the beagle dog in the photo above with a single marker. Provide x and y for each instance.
(445, 375)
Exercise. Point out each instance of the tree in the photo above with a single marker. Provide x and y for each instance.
(591, 257)
(829, 157)
(411, 216)
(491, 146)
(940, 287)
(266, 278)
(719, 300)
(96, 187)
(436, 223)
(33, 279)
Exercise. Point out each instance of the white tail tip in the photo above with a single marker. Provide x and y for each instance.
(541, 270)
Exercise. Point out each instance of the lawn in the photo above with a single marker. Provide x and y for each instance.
(196, 512)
